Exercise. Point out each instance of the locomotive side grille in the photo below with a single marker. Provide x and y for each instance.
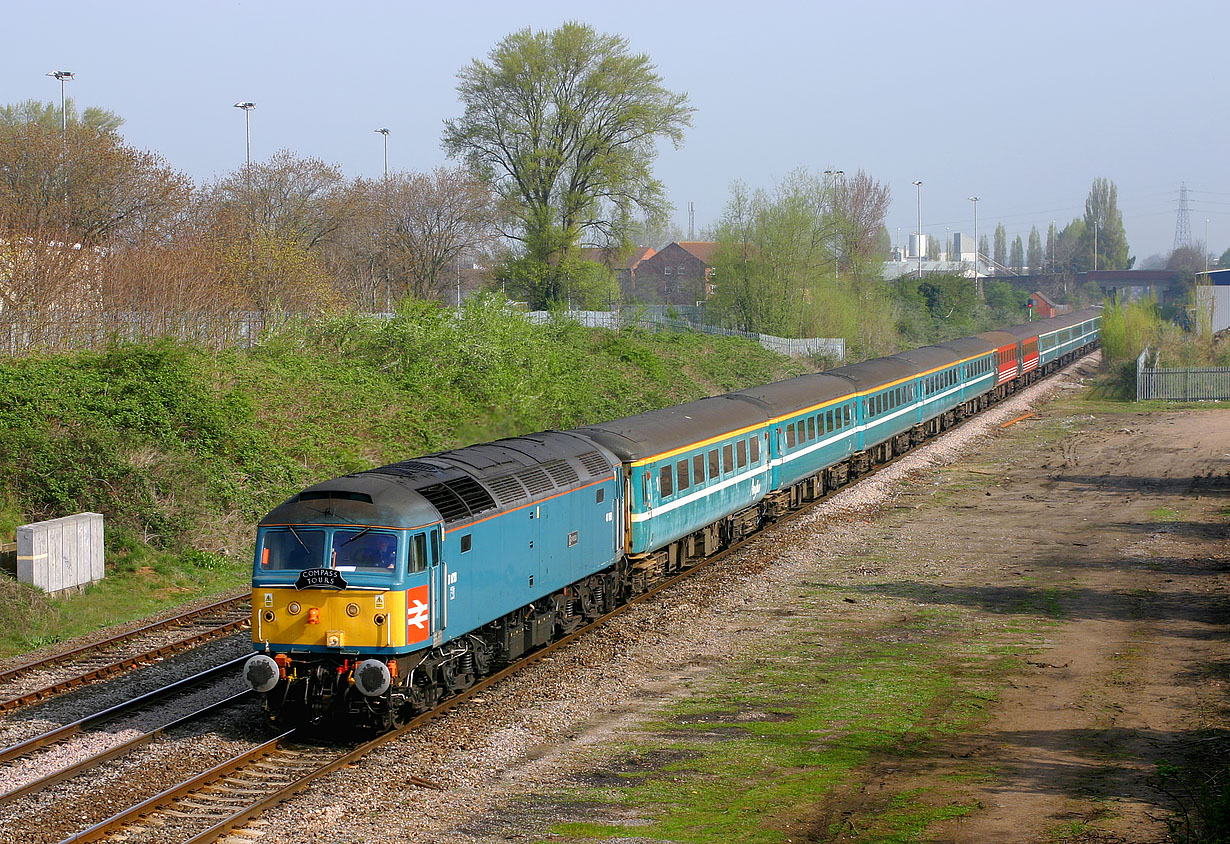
(594, 464)
(449, 504)
(560, 472)
(535, 480)
(476, 498)
(458, 499)
(508, 490)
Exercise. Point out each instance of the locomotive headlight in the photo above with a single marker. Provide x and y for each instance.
(379, 620)
(294, 608)
(269, 615)
(352, 610)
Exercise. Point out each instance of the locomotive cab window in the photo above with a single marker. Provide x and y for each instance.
(467, 543)
(365, 550)
(292, 549)
(600, 496)
(416, 558)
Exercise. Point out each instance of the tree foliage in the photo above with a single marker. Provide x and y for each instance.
(1001, 245)
(1102, 212)
(1033, 256)
(776, 270)
(48, 116)
(564, 124)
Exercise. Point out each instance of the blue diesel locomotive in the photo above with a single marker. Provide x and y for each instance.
(378, 593)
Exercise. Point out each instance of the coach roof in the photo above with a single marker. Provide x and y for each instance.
(659, 431)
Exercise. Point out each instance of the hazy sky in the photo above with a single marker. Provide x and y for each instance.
(1023, 104)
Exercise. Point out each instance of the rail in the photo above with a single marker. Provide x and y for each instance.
(1188, 383)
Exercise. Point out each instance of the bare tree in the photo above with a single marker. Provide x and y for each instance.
(860, 204)
(434, 219)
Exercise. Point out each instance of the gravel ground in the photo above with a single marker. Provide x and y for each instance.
(21, 724)
(537, 726)
(71, 806)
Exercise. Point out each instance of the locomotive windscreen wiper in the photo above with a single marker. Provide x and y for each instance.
(356, 536)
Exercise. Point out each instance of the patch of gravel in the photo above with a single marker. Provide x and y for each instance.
(541, 724)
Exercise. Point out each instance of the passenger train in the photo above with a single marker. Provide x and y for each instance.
(376, 594)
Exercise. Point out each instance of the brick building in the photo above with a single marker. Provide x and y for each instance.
(678, 274)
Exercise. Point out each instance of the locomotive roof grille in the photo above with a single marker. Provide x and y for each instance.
(535, 480)
(560, 472)
(594, 464)
(508, 490)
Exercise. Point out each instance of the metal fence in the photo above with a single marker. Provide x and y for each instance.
(1180, 384)
(833, 348)
(67, 331)
(72, 331)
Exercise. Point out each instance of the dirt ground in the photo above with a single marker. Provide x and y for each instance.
(1125, 518)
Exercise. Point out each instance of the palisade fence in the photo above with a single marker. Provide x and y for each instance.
(832, 348)
(1210, 383)
(69, 331)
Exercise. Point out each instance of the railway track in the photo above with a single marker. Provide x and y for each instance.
(39, 679)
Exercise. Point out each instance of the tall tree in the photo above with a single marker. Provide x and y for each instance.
(984, 246)
(1033, 258)
(1001, 245)
(1016, 258)
(1102, 214)
(1052, 243)
(856, 215)
(565, 125)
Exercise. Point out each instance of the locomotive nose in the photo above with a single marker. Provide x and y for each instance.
(261, 673)
(372, 677)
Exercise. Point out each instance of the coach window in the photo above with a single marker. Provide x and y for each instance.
(789, 436)
(665, 486)
(715, 469)
(682, 475)
(698, 468)
(741, 453)
(811, 427)
(728, 458)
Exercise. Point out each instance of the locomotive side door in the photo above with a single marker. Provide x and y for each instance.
(437, 583)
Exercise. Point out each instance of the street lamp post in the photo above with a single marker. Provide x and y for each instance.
(833, 176)
(385, 132)
(388, 284)
(977, 280)
(63, 76)
(918, 192)
(247, 131)
(1095, 245)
